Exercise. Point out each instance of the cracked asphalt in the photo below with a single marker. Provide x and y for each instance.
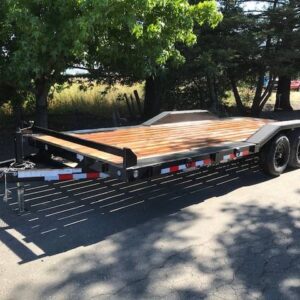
(231, 233)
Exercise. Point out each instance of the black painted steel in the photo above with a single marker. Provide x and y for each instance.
(19, 152)
(146, 168)
(130, 159)
(150, 170)
(6, 163)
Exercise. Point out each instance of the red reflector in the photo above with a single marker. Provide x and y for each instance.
(191, 164)
(246, 152)
(174, 169)
(207, 161)
(65, 176)
(92, 175)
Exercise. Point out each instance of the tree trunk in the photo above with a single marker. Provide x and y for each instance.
(283, 101)
(237, 96)
(18, 111)
(212, 93)
(267, 93)
(152, 97)
(41, 98)
(259, 99)
(256, 105)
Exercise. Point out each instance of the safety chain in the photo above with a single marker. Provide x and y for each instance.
(26, 165)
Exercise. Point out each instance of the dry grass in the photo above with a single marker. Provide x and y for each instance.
(6, 116)
(72, 105)
(295, 100)
(99, 100)
(247, 96)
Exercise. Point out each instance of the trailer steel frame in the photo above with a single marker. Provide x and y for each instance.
(132, 168)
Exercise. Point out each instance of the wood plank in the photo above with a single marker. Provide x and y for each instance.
(148, 141)
(82, 150)
(115, 138)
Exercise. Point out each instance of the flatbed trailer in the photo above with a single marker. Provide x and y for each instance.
(171, 142)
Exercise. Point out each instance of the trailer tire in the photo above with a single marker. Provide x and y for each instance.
(275, 156)
(294, 138)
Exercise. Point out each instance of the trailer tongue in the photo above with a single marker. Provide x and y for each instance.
(170, 142)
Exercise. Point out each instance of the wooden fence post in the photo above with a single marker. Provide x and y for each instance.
(129, 106)
(138, 101)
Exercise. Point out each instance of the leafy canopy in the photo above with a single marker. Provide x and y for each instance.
(46, 36)
(128, 36)
(138, 37)
(40, 39)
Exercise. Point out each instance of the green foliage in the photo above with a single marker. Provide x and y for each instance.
(40, 39)
(78, 106)
(284, 25)
(6, 90)
(141, 36)
(48, 36)
(241, 51)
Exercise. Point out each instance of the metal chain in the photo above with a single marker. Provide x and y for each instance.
(13, 168)
(26, 165)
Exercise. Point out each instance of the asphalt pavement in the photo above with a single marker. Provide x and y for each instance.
(230, 233)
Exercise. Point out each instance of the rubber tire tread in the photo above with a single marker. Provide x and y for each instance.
(268, 153)
(294, 137)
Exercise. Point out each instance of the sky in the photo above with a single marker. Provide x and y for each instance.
(253, 5)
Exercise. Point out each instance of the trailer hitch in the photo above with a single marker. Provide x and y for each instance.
(12, 166)
(19, 147)
(12, 170)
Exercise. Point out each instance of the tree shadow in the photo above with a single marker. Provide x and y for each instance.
(262, 251)
(67, 215)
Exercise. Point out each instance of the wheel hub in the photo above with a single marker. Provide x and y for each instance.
(280, 155)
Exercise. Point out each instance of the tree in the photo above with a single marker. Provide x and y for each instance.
(252, 49)
(46, 36)
(5, 90)
(223, 59)
(141, 37)
(287, 24)
(10, 90)
(131, 38)
(272, 33)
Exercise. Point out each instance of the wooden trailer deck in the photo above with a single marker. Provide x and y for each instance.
(159, 140)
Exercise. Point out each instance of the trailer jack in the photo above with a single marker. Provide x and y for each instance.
(7, 192)
(20, 196)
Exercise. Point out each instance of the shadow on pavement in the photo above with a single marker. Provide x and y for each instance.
(261, 245)
(66, 215)
(263, 251)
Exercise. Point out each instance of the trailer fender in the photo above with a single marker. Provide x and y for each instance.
(269, 131)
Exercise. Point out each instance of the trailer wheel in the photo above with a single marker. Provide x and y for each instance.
(294, 138)
(275, 156)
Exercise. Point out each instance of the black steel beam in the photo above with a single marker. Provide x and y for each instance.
(129, 158)
(73, 139)
(6, 163)
(19, 152)
(154, 169)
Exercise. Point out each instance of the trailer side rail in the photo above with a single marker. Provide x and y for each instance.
(129, 158)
